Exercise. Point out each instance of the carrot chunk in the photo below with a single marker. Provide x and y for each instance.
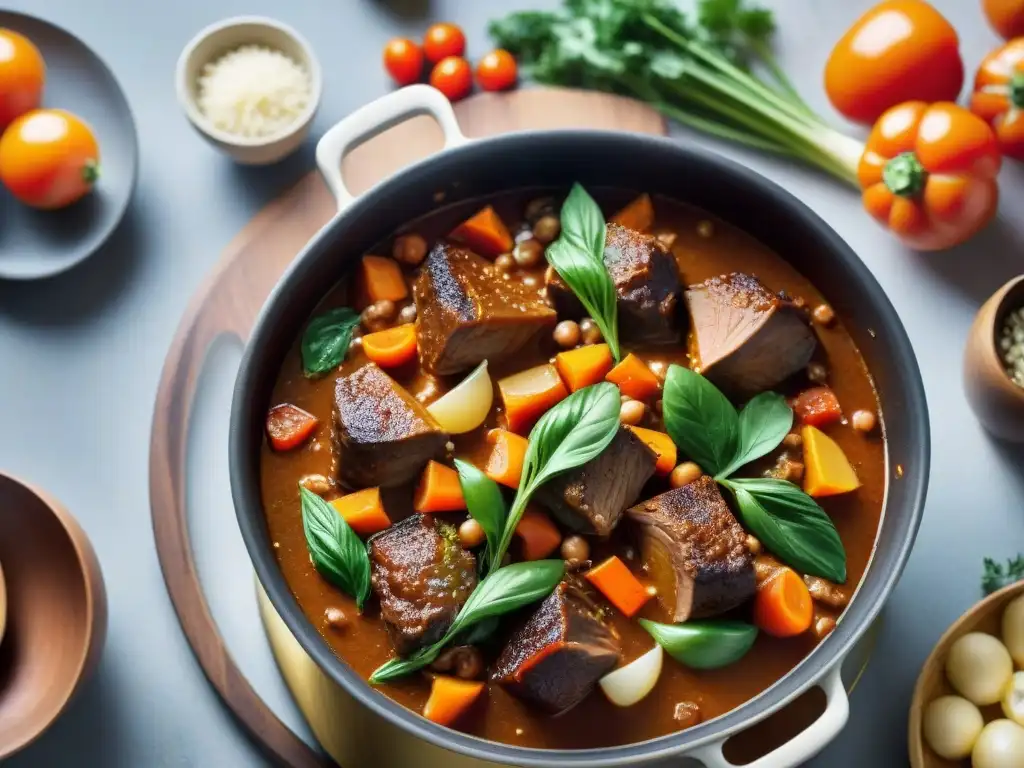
(391, 347)
(638, 215)
(634, 378)
(439, 490)
(662, 445)
(619, 585)
(817, 406)
(505, 463)
(379, 278)
(528, 394)
(484, 233)
(584, 366)
(827, 470)
(782, 605)
(363, 511)
(288, 426)
(540, 536)
(450, 697)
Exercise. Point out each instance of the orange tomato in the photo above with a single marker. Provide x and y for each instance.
(929, 174)
(403, 60)
(49, 158)
(22, 75)
(998, 96)
(1005, 16)
(496, 71)
(452, 77)
(900, 50)
(443, 40)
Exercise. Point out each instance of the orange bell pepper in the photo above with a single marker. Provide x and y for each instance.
(998, 96)
(929, 174)
(439, 490)
(1005, 16)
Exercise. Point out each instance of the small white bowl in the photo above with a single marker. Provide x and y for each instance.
(220, 38)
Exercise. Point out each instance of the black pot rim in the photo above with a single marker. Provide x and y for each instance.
(808, 673)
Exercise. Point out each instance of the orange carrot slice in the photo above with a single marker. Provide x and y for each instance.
(484, 233)
(505, 463)
(638, 215)
(584, 366)
(783, 605)
(392, 347)
(450, 697)
(363, 511)
(540, 536)
(619, 585)
(661, 444)
(379, 277)
(527, 395)
(288, 426)
(828, 470)
(439, 490)
(634, 378)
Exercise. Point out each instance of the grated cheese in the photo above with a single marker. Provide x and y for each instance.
(253, 91)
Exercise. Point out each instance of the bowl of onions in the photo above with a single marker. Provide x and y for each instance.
(968, 706)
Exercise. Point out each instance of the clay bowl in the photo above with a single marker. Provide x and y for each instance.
(56, 612)
(997, 401)
(985, 616)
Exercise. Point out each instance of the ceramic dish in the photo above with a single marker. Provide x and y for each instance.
(35, 244)
(57, 617)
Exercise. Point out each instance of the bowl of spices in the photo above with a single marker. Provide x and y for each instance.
(250, 86)
(994, 363)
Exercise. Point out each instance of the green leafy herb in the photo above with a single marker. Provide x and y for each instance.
(703, 644)
(578, 257)
(503, 591)
(337, 552)
(997, 576)
(700, 420)
(567, 436)
(791, 525)
(485, 503)
(326, 340)
(764, 422)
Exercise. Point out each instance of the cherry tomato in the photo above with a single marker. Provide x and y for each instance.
(22, 75)
(49, 158)
(403, 60)
(452, 77)
(497, 71)
(900, 50)
(929, 174)
(998, 96)
(442, 41)
(1005, 16)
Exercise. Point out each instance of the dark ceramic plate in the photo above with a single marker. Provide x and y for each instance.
(36, 244)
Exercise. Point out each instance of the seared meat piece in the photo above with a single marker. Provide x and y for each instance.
(422, 576)
(647, 284)
(467, 313)
(556, 658)
(592, 498)
(694, 551)
(382, 435)
(746, 340)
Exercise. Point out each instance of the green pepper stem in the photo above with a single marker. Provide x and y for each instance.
(904, 175)
(90, 171)
(1017, 90)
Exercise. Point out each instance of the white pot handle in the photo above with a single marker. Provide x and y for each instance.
(806, 744)
(374, 118)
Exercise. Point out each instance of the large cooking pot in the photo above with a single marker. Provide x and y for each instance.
(468, 169)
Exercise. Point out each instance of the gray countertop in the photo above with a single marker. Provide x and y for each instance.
(82, 355)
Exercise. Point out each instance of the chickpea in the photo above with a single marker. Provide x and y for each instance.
(505, 263)
(684, 474)
(823, 314)
(538, 207)
(793, 440)
(632, 412)
(817, 373)
(827, 593)
(863, 421)
(318, 484)
(567, 334)
(528, 253)
(468, 664)
(335, 618)
(355, 343)
(753, 545)
(575, 548)
(378, 315)
(409, 250)
(547, 229)
(471, 534)
(823, 627)
(407, 314)
(589, 332)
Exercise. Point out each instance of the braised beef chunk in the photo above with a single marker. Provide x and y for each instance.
(556, 658)
(382, 435)
(592, 498)
(746, 339)
(647, 283)
(467, 313)
(422, 576)
(694, 550)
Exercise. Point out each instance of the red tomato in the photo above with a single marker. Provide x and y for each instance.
(929, 174)
(998, 96)
(1005, 16)
(288, 426)
(442, 41)
(497, 71)
(452, 77)
(403, 60)
(900, 50)
(22, 74)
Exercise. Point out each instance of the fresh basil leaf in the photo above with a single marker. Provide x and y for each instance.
(503, 591)
(478, 633)
(326, 340)
(791, 526)
(764, 422)
(700, 420)
(337, 552)
(703, 644)
(484, 501)
(583, 224)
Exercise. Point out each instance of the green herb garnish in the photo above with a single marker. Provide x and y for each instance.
(485, 504)
(703, 644)
(337, 552)
(578, 257)
(503, 591)
(326, 340)
(997, 576)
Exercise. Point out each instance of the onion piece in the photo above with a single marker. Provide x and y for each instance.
(1013, 630)
(627, 685)
(1013, 699)
(1000, 745)
(950, 726)
(465, 407)
(979, 668)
